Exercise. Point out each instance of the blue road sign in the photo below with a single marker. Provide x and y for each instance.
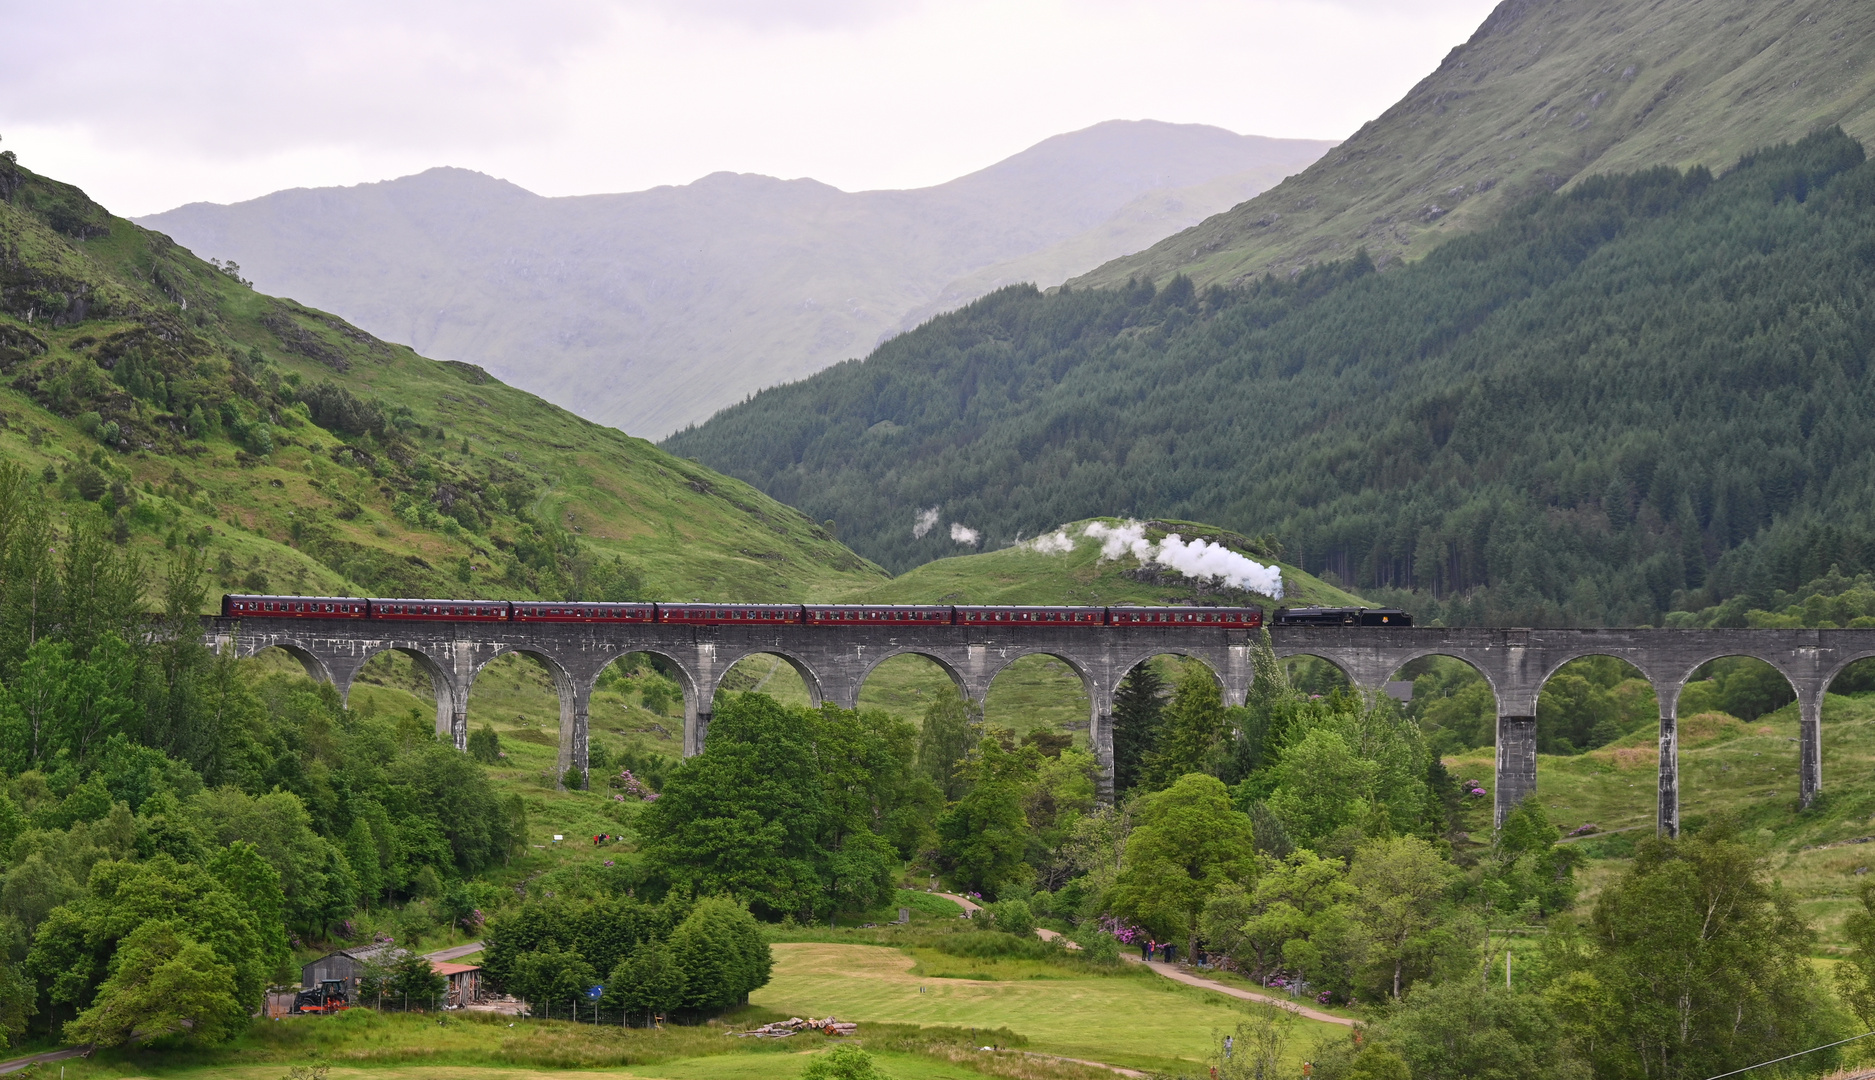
(594, 993)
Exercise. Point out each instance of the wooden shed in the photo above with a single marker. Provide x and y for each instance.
(346, 965)
(465, 982)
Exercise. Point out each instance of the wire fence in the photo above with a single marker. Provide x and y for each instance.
(580, 1010)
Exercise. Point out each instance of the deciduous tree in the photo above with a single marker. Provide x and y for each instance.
(1187, 844)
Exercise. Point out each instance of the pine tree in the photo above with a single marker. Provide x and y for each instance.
(1138, 707)
(1193, 730)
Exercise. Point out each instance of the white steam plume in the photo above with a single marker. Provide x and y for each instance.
(1194, 559)
(1054, 543)
(964, 534)
(926, 521)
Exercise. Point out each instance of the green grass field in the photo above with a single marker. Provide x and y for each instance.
(925, 1015)
(1131, 1018)
(488, 1047)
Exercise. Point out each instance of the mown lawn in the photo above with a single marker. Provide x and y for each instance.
(744, 1066)
(1130, 1018)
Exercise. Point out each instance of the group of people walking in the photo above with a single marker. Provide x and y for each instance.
(1167, 951)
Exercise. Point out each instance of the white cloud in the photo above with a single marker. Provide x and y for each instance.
(151, 103)
(964, 534)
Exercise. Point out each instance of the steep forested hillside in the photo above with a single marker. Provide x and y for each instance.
(1545, 93)
(1652, 391)
(308, 455)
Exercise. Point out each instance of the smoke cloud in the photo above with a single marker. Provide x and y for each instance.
(1054, 543)
(964, 534)
(1194, 558)
(926, 521)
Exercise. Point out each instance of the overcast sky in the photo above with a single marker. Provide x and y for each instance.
(148, 104)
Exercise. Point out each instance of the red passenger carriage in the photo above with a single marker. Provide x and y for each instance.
(582, 611)
(1240, 618)
(440, 610)
(1032, 616)
(237, 606)
(729, 614)
(877, 615)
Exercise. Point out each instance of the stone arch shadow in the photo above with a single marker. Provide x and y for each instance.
(315, 668)
(450, 698)
(942, 662)
(696, 711)
(1809, 700)
(1099, 695)
(1128, 662)
(572, 692)
(816, 690)
(1350, 670)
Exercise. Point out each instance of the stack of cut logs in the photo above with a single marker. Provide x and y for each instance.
(781, 1029)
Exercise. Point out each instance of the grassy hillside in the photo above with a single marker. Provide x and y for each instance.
(1545, 92)
(1648, 392)
(1748, 769)
(311, 456)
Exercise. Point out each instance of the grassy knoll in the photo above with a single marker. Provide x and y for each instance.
(1024, 575)
(1131, 1017)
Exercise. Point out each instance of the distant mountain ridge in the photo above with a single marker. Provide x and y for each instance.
(653, 309)
(1545, 92)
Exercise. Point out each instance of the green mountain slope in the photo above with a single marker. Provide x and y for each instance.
(1652, 391)
(1546, 92)
(312, 456)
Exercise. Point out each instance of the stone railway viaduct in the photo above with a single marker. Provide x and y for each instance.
(834, 663)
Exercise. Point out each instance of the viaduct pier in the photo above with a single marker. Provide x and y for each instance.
(834, 661)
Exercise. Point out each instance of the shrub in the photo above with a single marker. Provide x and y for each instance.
(984, 945)
(485, 745)
(842, 1063)
(1012, 917)
(1100, 947)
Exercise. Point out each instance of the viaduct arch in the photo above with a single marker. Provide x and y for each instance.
(834, 663)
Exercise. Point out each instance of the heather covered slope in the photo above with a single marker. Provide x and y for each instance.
(311, 456)
(1544, 93)
(1646, 393)
(651, 310)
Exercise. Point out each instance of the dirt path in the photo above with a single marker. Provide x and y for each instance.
(966, 903)
(1122, 1070)
(1177, 974)
(51, 1055)
(442, 955)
